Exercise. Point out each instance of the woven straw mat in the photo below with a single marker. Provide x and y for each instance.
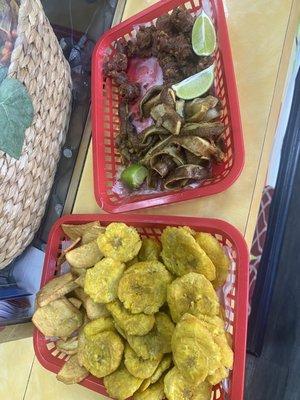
(38, 62)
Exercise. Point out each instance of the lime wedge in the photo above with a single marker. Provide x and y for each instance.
(203, 35)
(196, 85)
(134, 175)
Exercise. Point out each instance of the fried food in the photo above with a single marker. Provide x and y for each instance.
(55, 289)
(102, 353)
(216, 253)
(195, 353)
(93, 310)
(182, 254)
(225, 349)
(137, 366)
(177, 388)
(132, 262)
(62, 258)
(220, 374)
(156, 342)
(72, 372)
(150, 250)
(58, 318)
(121, 384)
(85, 256)
(143, 287)
(101, 281)
(131, 324)
(120, 242)
(87, 232)
(80, 280)
(154, 392)
(99, 325)
(163, 366)
(69, 346)
(76, 302)
(194, 294)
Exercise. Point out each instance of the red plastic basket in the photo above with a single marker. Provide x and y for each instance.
(105, 119)
(152, 226)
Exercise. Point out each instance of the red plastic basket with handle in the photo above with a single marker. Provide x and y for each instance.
(105, 120)
(152, 226)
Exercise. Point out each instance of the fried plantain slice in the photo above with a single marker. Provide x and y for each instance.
(99, 325)
(78, 231)
(177, 388)
(163, 366)
(101, 281)
(194, 294)
(102, 353)
(157, 341)
(55, 289)
(121, 384)
(195, 353)
(93, 310)
(58, 318)
(72, 372)
(69, 346)
(153, 392)
(182, 254)
(150, 250)
(85, 256)
(120, 242)
(137, 366)
(143, 287)
(220, 374)
(216, 253)
(76, 302)
(132, 324)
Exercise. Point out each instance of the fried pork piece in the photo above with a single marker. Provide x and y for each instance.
(157, 341)
(101, 281)
(182, 254)
(177, 388)
(102, 353)
(195, 353)
(216, 253)
(163, 23)
(58, 318)
(117, 62)
(121, 384)
(120, 242)
(129, 91)
(144, 36)
(182, 20)
(137, 366)
(72, 372)
(131, 324)
(164, 365)
(193, 294)
(153, 392)
(143, 287)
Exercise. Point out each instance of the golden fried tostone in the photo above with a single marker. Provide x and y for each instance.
(99, 325)
(153, 392)
(193, 294)
(121, 384)
(102, 353)
(137, 366)
(120, 242)
(163, 366)
(150, 250)
(131, 324)
(216, 253)
(182, 254)
(195, 353)
(143, 287)
(177, 388)
(101, 281)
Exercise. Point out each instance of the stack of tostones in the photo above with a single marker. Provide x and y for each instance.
(139, 313)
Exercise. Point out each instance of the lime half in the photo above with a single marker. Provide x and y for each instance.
(196, 85)
(203, 35)
(134, 175)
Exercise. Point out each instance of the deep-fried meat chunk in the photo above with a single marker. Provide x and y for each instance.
(182, 19)
(119, 77)
(117, 62)
(203, 63)
(144, 36)
(163, 23)
(129, 91)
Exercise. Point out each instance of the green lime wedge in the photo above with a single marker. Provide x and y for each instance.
(203, 35)
(196, 85)
(134, 175)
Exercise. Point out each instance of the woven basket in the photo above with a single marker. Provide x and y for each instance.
(25, 184)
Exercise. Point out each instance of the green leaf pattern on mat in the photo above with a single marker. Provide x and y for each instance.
(16, 114)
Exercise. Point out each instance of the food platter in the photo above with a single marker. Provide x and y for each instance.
(106, 122)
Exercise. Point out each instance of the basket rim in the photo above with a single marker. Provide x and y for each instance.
(242, 283)
(167, 197)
